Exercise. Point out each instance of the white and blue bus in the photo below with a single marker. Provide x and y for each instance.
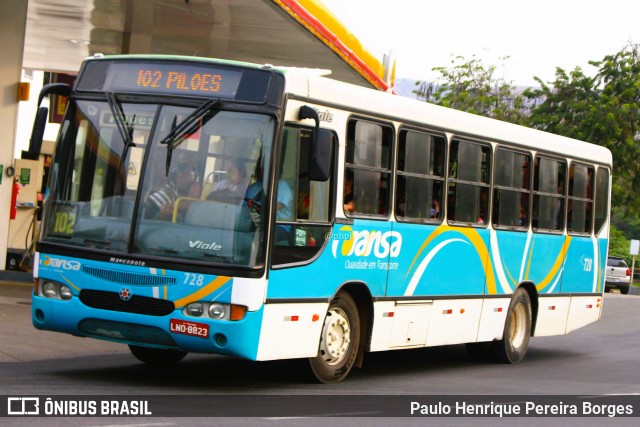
(208, 206)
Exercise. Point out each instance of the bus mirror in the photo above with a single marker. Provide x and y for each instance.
(321, 150)
(320, 156)
(37, 134)
(61, 89)
(307, 112)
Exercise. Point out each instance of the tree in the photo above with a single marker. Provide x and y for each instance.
(604, 110)
(471, 86)
(619, 245)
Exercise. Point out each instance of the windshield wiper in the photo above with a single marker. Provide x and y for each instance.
(125, 129)
(186, 127)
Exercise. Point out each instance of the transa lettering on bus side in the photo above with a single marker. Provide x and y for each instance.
(369, 242)
(64, 264)
(181, 80)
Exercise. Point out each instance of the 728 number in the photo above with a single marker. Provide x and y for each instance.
(193, 279)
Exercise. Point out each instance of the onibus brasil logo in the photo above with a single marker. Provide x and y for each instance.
(366, 243)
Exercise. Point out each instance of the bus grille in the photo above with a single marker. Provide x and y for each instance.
(137, 304)
(125, 278)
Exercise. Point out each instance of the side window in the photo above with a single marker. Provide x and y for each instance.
(580, 202)
(368, 169)
(302, 206)
(468, 191)
(420, 180)
(602, 198)
(549, 194)
(511, 189)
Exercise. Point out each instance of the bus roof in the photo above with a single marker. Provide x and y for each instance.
(413, 112)
(311, 83)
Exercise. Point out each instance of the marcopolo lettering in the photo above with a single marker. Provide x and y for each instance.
(127, 261)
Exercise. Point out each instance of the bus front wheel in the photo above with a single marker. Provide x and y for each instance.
(339, 341)
(157, 356)
(517, 330)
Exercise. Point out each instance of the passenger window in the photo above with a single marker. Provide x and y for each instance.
(468, 191)
(549, 192)
(368, 167)
(511, 189)
(602, 198)
(302, 206)
(420, 179)
(580, 202)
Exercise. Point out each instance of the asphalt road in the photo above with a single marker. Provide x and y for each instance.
(599, 360)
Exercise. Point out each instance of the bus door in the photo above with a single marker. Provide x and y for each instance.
(299, 257)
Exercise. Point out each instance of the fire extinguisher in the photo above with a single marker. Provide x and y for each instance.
(14, 199)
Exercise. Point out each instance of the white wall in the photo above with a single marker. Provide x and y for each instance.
(13, 19)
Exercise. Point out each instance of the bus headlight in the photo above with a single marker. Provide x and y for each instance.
(195, 309)
(216, 311)
(56, 291)
(50, 290)
(65, 292)
(213, 310)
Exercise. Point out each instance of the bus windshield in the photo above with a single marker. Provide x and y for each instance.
(164, 180)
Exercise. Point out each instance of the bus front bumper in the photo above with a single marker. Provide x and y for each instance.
(175, 330)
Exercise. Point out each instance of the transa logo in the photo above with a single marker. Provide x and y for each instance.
(366, 242)
(65, 264)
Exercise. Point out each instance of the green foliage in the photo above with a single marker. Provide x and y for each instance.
(472, 87)
(619, 245)
(603, 109)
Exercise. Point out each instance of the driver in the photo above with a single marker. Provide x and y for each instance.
(234, 185)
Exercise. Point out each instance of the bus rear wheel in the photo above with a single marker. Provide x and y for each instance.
(339, 341)
(157, 356)
(517, 330)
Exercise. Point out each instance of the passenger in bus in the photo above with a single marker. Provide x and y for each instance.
(181, 182)
(522, 218)
(232, 189)
(482, 207)
(348, 193)
(435, 208)
(559, 213)
(284, 201)
(284, 212)
(254, 199)
(303, 205)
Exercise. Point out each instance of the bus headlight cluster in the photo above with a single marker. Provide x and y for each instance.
(212, 310)
(56, 291)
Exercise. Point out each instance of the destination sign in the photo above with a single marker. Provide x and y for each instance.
(175, 78)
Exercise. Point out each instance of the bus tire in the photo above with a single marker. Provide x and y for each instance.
(339, 340)
(157, 356)
(517, 330)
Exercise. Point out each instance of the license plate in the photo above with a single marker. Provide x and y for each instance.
(189, 328)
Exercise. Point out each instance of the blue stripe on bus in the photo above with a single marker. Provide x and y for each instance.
(405, 260)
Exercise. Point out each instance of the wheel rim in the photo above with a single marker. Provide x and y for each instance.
(336, 337)
(518, 325)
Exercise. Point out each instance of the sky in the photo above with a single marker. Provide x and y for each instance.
(536, 35)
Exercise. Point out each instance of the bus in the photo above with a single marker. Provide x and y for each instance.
(261, 212)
